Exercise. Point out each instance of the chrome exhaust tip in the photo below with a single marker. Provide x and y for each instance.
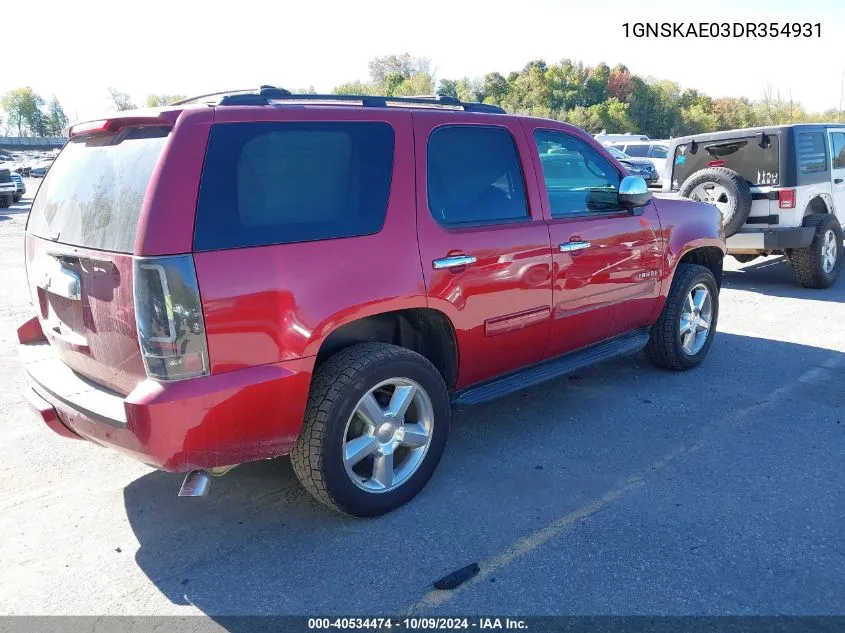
(195, 484)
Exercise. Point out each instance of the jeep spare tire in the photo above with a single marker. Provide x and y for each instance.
(726, 190)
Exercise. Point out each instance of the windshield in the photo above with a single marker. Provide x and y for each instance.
(93, 193)
(617, 154)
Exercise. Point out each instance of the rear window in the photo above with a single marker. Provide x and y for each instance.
(282, 182)
(758, 164)
(640, 151)
(93, 193)
(659, 151)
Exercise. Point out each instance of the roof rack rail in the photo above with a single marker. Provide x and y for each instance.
(268, 94)
(210, 94)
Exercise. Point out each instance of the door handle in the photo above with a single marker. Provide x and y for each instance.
(568, 247)
(453, 261)
(837, 181)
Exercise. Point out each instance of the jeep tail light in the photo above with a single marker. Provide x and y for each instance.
(716, 163)
(786, 198)
(168, 312)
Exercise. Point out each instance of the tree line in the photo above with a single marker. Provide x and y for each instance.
(26, 113)
(594, 98)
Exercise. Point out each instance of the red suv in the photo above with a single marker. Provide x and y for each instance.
(325, 276)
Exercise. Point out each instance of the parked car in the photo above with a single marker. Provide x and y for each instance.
(327, 282)
(780, 189)
(653, 151)
(636, 166)
(7, 189)
(604, 138)
(38, 172)
(20, 186)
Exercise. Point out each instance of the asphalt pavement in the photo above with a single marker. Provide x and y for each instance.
(621, 490)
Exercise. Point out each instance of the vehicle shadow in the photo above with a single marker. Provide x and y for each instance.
(18, 207)
(774, 277)
(257, 544)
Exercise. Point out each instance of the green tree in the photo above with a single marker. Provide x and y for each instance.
(354, 88)
(468, 89)
(56, 118)
(383, 67)
(23, 109)
(120, 100)
(448, 87)
(495, 88)
(595, 88)
(156, 101)
(417, 84)
(733, 113)
(566, 85)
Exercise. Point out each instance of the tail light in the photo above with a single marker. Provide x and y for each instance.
(786, 198)
(716, 163)
(112, 126)
(168, 311)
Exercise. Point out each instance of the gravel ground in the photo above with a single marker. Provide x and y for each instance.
(622, 490)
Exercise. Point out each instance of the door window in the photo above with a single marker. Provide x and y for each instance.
(474, 176)
(578, 179)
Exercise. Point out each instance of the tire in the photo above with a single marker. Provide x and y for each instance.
(811, 264)
(17, 197)
(665, 346)
(331, 419)
(724, 188)
(5, 202)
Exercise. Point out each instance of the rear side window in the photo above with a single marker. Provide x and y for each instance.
(837, 141)
(640, 151)
(474, 176)
(282, 182)
(659, 151)
(93, 193)
(811, 152)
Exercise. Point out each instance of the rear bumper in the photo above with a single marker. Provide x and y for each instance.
(771, 239)
(219, 420)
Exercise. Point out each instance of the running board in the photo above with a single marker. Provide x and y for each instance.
(624, 345)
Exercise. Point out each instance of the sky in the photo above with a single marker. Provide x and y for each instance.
(77, 50)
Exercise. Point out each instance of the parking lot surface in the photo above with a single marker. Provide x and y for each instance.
(621, 490)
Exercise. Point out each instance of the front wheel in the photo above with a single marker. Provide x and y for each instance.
(374, 429)
(684, 332)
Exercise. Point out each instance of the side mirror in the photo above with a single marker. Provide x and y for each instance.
(633, 193)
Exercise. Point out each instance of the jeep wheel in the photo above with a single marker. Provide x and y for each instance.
(374, 430)
(726, 190)
(684, 332)
(818, 265)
